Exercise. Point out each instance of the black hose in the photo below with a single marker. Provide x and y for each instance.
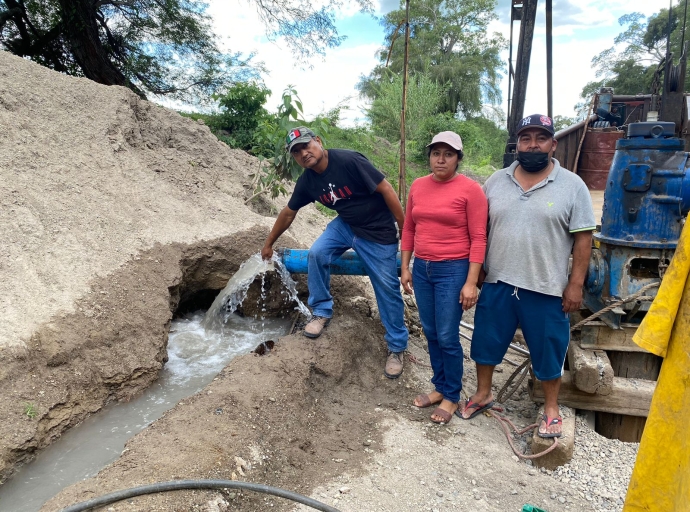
(177, 485)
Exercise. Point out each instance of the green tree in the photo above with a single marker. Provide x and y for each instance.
(560, 122)
(159, 47)
(242, 110)
(630, 65)
(483, 141)
(424, 99)
(450, 44)
(277, 167)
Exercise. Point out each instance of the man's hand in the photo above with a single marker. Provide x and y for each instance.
(582, 250)
(285, 218)
(572, 298)
(481, 278)
(266, 252)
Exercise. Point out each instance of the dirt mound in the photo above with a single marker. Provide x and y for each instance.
(89, 176)
(112, 209)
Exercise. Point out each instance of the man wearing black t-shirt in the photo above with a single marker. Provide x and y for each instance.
(367, 207)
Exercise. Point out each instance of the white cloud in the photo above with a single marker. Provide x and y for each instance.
(322, 83)
(586, 28)
(590, 28)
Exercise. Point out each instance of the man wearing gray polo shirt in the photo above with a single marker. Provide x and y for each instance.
(539, 213)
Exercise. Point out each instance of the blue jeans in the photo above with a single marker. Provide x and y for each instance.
(437, 286)
(380, 261)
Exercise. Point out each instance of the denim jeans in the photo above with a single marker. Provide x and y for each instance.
(380, 262)
(437, 286)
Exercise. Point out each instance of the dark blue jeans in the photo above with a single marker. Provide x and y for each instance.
(545, 326)
(381, 265)
(437, 286)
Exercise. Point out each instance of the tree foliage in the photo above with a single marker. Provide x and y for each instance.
(450, 44)
(424, 99)
(159, 47)
(483, 141)
(306, 30)
(277, 167)
(241, 112)
(560, 122)
(629, 66)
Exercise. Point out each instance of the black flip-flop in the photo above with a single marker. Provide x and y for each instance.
(479, 409)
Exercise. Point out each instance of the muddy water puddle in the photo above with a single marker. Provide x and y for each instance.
(195, 358)
(200, 345)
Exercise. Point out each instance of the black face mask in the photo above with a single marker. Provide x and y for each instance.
(533, 161)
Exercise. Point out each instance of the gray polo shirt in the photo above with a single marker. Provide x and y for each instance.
(531, 232)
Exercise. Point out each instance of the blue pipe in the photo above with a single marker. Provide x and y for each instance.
(349, 264)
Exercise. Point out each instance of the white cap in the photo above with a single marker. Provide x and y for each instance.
(450, 138)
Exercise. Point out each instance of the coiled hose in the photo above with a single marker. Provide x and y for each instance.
(177, 485)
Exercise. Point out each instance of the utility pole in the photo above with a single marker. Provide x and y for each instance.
(402, 179)
(549, 58)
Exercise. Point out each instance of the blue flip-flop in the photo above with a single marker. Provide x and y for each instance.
(469, 404)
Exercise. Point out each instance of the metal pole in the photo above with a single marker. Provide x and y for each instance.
(549, 58)
(510, 65)
(517, 106)
(528, 14)
(402, 180)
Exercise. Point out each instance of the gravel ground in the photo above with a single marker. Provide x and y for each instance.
(424, 467)
(600, 469)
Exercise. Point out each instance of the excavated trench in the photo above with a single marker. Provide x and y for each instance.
(195, 357)
(115, 345)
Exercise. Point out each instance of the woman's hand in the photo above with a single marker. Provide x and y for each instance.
(468, 296)
(406, 280)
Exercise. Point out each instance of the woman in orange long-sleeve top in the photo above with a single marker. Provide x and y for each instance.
(445, 227)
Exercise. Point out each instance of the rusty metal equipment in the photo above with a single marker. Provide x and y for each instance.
(596, 156)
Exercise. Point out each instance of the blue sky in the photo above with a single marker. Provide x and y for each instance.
(582, 29)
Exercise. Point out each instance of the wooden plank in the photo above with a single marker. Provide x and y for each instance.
(616, 426)
(635, 366)
(629, 396)
(591, 370)
(599, 336)
(629, 365)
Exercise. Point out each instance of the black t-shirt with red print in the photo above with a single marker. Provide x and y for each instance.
(347, 186)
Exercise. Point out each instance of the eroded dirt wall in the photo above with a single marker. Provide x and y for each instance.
(108, 205)
(111, 347)
(297, 416)
(90, 176)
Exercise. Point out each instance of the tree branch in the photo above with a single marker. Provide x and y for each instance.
(7, 15)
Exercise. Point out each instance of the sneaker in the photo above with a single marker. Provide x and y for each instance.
(394, 365)
(316, 326)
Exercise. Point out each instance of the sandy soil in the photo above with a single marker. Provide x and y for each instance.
(113, 211)
(117, 213)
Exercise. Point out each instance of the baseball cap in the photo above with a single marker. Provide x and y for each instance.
(536, 121)
(450, 138)
(298, 135)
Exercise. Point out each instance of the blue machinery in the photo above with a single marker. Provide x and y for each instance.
(645, 203)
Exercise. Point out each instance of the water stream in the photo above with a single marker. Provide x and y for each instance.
(199, 346)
